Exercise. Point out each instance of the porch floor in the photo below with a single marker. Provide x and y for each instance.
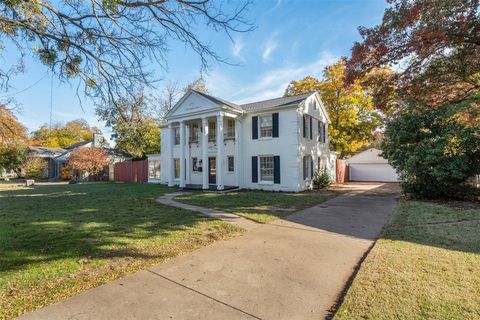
(211, 187)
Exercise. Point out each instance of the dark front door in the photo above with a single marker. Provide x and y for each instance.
(212, 170)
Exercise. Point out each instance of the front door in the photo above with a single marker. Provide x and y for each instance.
(212, 170)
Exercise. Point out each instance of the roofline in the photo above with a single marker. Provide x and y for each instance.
(295, 95)
(189, 92)
(286, 106)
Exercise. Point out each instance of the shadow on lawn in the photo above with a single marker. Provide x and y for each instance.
(103, 221)
(437, 225)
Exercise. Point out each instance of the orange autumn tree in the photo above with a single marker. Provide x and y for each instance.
(89, 160)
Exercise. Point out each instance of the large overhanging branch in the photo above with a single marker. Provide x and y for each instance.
(110, 45)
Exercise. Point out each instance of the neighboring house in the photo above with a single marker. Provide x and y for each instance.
(48, 155)
(276, 144)
(58, 157)
(368, 165)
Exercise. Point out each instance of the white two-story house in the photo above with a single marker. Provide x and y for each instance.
(211, 143)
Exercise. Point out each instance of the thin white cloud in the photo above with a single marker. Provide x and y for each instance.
(270, 84)
(237, 47)
(269, 47)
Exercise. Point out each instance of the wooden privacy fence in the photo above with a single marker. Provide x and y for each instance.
(134, 171)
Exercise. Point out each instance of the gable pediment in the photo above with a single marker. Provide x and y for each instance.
(193, 103)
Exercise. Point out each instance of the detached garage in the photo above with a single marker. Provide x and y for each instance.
(368, 165)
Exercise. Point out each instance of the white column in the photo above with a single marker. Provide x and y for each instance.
(204, 153)
(237, 152)
(220, 152)
(182, 154)
(171, 143)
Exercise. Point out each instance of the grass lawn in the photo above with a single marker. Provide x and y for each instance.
(57, 241)
(259, 206)
(426, 265)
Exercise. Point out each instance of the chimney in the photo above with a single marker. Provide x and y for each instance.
(97, 140)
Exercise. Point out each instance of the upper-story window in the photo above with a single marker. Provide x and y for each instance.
(322, 132)
(212, 130)
(265, 126)
(177, 135)
(307, 126)
(230, 129)
(194, 132)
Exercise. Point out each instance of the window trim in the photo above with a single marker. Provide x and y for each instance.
(156, 169)
(229, 130)
(175, 137)
(175, 177)
(195, 164)
(307, 129)
(260, 176)
(267, 115)
(228, 164)
(194, 135)
(307, 167)
(212, 131)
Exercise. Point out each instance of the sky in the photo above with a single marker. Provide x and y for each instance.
(291, 39)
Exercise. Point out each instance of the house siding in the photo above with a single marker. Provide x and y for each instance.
(290, 145)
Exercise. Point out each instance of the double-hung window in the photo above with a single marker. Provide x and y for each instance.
(195, 164)
(154, 169)
(265, 126)
(266, 168)
(322, 132)
(231, 163)
(307, 121)
(176, 165)
(230, 129)
(307, 168)
(177, 135)
(212, 131)
(194, 132)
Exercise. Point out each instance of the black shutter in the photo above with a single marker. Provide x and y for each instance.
(275, 128)
(311, 127)
(311, 167)
(304, 168)
(255, 127)
(304, 127)
(276, 169)
(254, 169)
(319, 124)
(324, 133)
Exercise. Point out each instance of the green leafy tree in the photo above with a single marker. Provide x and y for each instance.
(34, 168)
(64, 135)
(351, 109)
(12, 157)
(134, 128)
(435, 42)
(435, 150)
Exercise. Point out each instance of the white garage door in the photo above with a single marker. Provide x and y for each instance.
(373, 172)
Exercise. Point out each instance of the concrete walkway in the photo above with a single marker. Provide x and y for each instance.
(169, 200)
(293, 268)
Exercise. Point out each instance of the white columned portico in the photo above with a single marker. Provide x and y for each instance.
(204, 153)
(182, 154)
(220, 152)
(237, 152)
(170, 154)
